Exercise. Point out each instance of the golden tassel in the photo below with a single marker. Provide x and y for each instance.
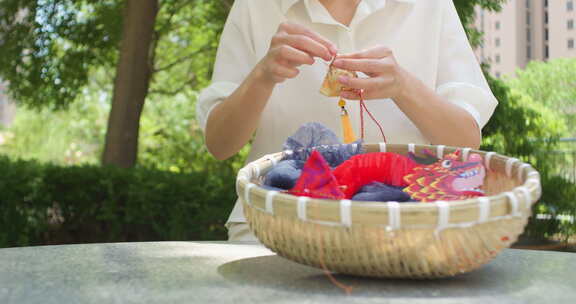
(347, 131)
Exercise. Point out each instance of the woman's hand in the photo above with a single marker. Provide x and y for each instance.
(439, 120)
(292, 46)
(386, 78)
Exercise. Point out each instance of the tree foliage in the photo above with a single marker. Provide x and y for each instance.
(48, 48)
(520, 126)
(551, 84)
(188, 36)
(466, 11)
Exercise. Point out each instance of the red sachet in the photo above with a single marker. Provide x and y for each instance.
(317, 180)
(360, 170)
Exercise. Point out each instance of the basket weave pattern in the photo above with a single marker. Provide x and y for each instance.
(408, 240)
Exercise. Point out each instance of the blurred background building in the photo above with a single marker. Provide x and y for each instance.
(526, 30)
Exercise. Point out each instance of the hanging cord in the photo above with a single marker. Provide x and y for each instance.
(364, 107)
(361, 117)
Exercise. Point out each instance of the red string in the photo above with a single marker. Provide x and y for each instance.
(364, 107)
(361, 119)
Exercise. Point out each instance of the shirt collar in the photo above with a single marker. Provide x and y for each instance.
(378, 4)
(375, 4)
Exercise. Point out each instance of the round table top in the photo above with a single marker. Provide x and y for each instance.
(199, 272)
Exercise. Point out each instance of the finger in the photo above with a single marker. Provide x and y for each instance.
(294, 56)
(290, 64)
(307, 44)
(283, 71)
(359, 83)
(375, 53)
(354, 95)
(297, 29)
(351, 95)
(360, 65)
(370, 94)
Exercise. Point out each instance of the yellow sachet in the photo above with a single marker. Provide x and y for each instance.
(331, 87)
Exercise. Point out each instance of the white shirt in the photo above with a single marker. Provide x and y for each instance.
(426, 37)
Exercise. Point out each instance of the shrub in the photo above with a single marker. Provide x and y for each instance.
(50, 204)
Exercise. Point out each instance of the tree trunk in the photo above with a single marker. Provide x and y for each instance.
(133, 74)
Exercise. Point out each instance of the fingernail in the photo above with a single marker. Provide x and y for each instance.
(334, 50)
(343, 79)
(337, 63)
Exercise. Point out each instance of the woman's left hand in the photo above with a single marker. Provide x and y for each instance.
(386, 78)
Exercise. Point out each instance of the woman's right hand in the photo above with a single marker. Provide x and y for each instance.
(292, 46)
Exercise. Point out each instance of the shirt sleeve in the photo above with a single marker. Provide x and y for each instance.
(235, 59)
(460, 78)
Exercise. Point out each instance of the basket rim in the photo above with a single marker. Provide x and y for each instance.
(249, 191)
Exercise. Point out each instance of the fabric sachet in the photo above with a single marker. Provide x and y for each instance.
(285, 174)
(331, 87)
(315, 136)
(379, 192)
(317, 180)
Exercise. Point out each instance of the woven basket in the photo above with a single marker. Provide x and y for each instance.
(407, 240)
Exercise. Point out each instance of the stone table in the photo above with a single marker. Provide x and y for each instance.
(219, 272)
